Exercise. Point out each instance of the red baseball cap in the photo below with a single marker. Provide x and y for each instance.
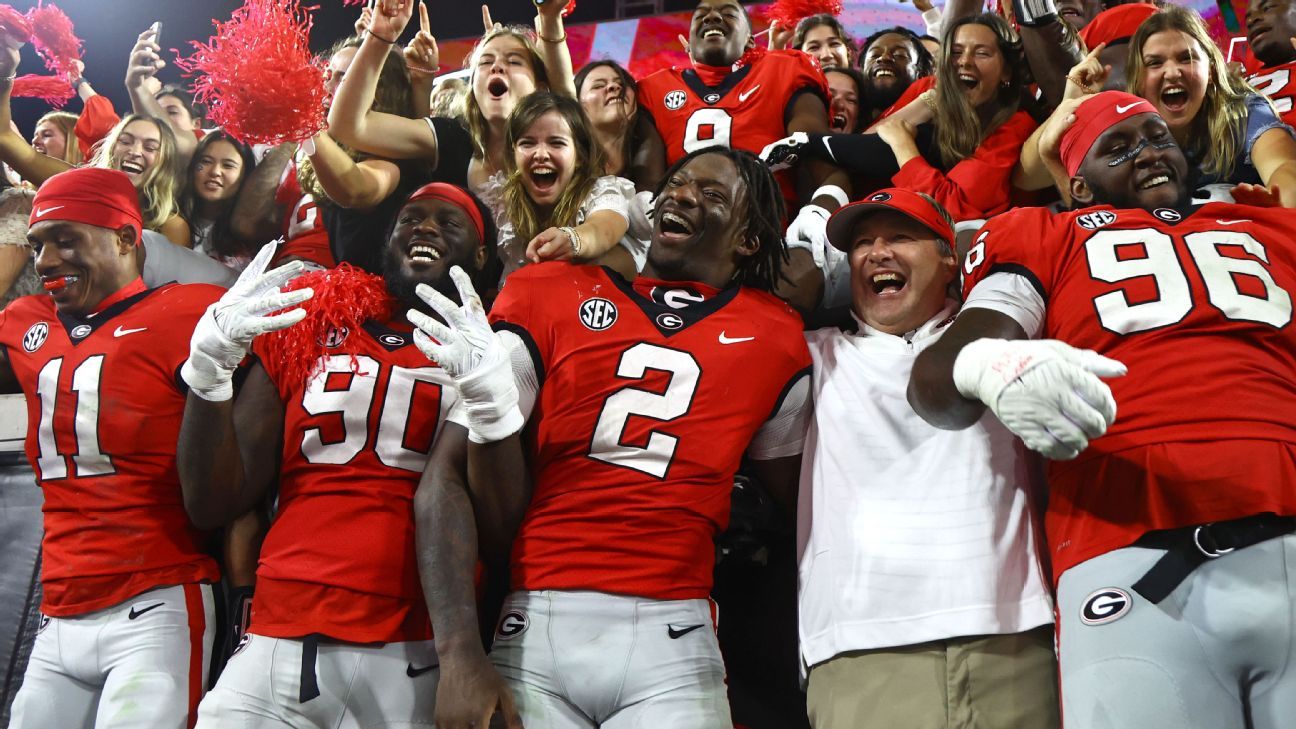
(841, 225)
(1117, 24)
(1094, 116)
(91, 195)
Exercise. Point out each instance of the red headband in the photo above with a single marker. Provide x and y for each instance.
(455, 196)
(91, 195)
(1094, 116)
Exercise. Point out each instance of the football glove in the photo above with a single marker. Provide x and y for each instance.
(787, 152)
(1047, 392)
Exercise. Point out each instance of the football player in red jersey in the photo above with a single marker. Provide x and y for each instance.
(127, 630)
(1271, 32)
(642, 398)
(1170, 526)
(722, 101)
(339, 635)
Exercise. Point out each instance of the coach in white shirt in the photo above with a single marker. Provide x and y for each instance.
(923, 604)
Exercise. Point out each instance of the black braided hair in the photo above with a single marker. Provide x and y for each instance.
(765, 213)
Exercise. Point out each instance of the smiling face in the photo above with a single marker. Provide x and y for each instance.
(1134, 164)
(137, 149)
(719, 33)
(978, 66)
(430, 237)
(843, 106)
(890, 66)
(899, 272)
(607, 101)
(502, 76)
(49, 139)
(698, 228)
(81, 264)
(217, 172)
(1175, 74)
(822, 43)
(1271, 24)
(545, 155)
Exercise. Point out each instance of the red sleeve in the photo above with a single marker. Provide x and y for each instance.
(1023, 242)
(519, 304)
(979, 186)
(96, 120)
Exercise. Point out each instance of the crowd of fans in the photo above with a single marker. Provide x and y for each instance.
(533, 161)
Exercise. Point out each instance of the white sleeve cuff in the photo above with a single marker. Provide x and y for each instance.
(1010, 294)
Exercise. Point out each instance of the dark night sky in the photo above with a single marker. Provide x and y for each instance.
(109, 28)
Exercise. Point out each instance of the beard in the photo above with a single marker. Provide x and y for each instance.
(881, 99)
(402, 287)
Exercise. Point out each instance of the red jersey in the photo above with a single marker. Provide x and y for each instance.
(1198, 306)
(1279, 84)
(104, 404)
(748, 110)
(303, 230)
(339, 557)
(644, 413)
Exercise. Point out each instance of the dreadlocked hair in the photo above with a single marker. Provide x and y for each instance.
(763, 209)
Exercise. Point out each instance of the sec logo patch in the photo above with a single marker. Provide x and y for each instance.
(35, 336)
(675, 99)
(598, 314)
(1094, 221)
(1104, 606)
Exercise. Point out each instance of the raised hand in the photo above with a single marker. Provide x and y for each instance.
(1089, 75)
(421, 54)
(10, 48)
(487, 24)
(390, 18)
(145, 61)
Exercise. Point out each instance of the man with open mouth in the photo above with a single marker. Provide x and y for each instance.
(340, 413)
(128, 596)
(642, 397)
(1271, 33)
(913, 590)
(1169, 522)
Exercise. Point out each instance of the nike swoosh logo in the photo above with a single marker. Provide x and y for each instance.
(1122, 109)
(733, 340)
(136, 613)
(412, 672)
(676, 633)
(1231, 222)
(40, 212)
(119, 332)
(743, 96)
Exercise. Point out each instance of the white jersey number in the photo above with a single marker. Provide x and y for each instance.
(1221, 273)
(1272, 83)
(88, 460)
(707, 128)
(654, 458)
(304, 215)
(354, 403)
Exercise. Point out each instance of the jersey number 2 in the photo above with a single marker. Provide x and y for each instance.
(655, 456)
(1221, 274)
(88, 459)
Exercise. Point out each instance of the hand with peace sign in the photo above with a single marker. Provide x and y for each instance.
(1088, 76)
(421, 54)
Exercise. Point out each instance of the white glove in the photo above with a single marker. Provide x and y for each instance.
(474, 357)
(224, 334)
(810, 230)
(1047, 392)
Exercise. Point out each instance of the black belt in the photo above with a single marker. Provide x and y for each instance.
(1190, 547)
(309, 685)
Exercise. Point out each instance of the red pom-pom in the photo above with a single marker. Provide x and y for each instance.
(53, 90)
(750, 56)
(53, 37)
(571, 8)
(257, 75)
(345, 298)
(15, 24)
(790, 12)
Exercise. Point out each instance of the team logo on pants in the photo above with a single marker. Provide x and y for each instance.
(1105, 606)
(512, 624)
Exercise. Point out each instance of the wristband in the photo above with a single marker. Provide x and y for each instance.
(384, 40)
(574, 238)
(834, 192)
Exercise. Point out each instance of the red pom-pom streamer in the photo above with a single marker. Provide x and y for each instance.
(790, 12)
(750, 56)
(257, 75)
(54, 39)
(345, 297)
(15, 24)
(53, 90)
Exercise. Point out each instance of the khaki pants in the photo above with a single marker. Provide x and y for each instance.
(979, 682)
